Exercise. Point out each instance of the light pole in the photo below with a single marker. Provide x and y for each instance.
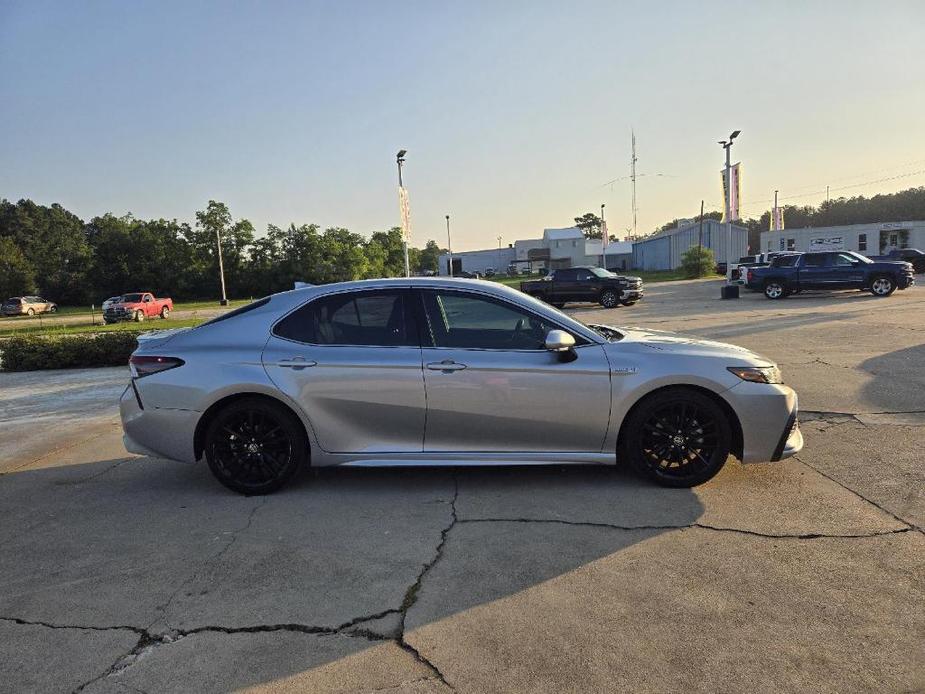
(400, 158)
(449, 247)
(603, 239)
(727, 145)
(221, 266)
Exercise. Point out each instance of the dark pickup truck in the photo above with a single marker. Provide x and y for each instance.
(592, 284)
(909, 255)
(789, 274)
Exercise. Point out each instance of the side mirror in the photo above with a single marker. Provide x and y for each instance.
(559, 341)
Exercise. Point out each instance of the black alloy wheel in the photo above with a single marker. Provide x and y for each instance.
(254, 446)
(678, 438)
(609, 298)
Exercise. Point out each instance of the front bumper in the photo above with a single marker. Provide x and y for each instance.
(906, 281)
(768, 417)
(631, 295)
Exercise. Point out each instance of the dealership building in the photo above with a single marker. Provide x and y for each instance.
(665, 250)
(876, 238)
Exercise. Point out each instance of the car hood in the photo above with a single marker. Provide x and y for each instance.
(647, 341)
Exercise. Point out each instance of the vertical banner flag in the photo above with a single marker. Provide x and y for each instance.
(735, 190)
(777, 219)
(405, 209)
(605, 237)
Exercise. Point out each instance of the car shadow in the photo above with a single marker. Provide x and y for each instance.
(898, 383)
(162, 546)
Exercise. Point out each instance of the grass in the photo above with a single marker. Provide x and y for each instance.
(52, 330)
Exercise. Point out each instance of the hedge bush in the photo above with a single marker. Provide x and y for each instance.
(34, 352)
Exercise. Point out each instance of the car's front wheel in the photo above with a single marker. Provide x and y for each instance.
(677, 437)
(609, 299)
(254, 446)
(882, 286)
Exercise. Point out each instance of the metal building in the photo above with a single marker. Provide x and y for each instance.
(477, 261)
(876, 238)
(664, 251)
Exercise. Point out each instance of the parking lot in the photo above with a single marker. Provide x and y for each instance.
(122, 573)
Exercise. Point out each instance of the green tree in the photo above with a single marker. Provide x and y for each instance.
(17, 276)
(590, 225)
(236, 239)
(430, 257)
(698, 262)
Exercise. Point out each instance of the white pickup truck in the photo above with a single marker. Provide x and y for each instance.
(735, 273)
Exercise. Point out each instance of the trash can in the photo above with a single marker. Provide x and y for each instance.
(730, 291)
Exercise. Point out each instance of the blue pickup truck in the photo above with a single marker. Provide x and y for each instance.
(791, 274)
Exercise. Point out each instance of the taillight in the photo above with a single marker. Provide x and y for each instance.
(145, 366)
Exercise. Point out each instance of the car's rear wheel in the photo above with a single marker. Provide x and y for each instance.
(165, 313)
(609, 298)
(882, 286)
(254, 446)
(30, 312)
(677, 437)
(774, 289)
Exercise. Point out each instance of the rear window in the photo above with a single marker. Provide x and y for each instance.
(14, 300)
(238, 311)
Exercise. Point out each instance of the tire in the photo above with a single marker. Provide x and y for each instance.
(254, 446)
(53, 309)
(139, 316)
(108, 322)
(882, 286)
(675, 417)
(30, 312)
(165, 313)
(775, 289)
(609, 298)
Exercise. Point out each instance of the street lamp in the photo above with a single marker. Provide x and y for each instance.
(449, 247)
(400, 158)
(727, 145)
(221, 266)
(603, 239)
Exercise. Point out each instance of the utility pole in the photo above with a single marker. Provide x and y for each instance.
(449, 246)
(774, 219)
(603, 239)
(826, 194)
(221, 266)
(633, 179)
(499, 242)
(700, 243)
(400, 158)
(727, 145)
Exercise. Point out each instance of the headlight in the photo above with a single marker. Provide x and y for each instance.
(757, 374)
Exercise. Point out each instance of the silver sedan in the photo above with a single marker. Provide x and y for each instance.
(446, 372)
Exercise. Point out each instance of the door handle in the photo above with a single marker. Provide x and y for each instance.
(446, 365)
(296, 363)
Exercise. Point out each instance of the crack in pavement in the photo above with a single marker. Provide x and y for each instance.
(701, 526)
(411, 594)
(910, 526)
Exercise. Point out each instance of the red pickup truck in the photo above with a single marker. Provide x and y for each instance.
(137, 306)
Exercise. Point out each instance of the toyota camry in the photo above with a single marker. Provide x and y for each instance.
(431, 371)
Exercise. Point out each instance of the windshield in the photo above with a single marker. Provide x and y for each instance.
(858, 256)
(132, 298)
(601, 272)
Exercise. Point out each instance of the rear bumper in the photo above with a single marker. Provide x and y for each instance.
(155, 431)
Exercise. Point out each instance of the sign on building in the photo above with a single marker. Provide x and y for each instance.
(831, 243)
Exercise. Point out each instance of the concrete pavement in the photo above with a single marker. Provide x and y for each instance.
(127, 573)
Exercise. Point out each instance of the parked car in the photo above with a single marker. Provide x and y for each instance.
(111, 301)
(909, 255)
(137, 306)
(27, 306)
(490, 272)
(830, 270)
(467, 275)
(337, 375)
(585, 284)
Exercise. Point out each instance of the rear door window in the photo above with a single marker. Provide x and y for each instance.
(372, 318)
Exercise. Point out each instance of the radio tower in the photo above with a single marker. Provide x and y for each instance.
(633, 179)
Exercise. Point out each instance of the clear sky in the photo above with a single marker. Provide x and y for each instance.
(514, 114)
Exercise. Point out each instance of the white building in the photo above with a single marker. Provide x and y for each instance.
(876, 238)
